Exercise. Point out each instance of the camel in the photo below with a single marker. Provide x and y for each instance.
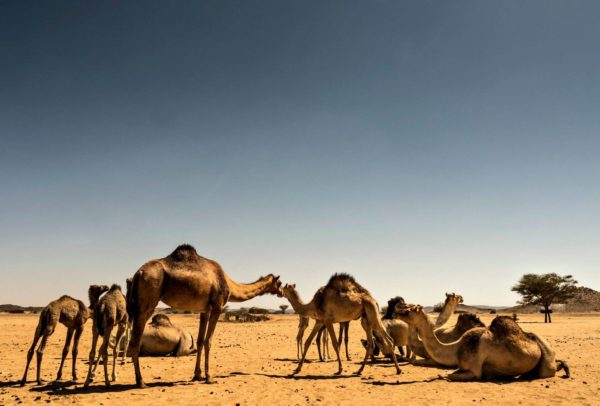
(503, 350)
(465, 322)
(162, 338)
(341, 300)
(110, 311)
(397, 330)
(303, 324)
(416, 346)
(186, 281)
(73, 314)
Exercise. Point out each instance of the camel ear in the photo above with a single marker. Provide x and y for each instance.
(447, 294)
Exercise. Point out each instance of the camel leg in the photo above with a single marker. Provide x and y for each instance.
(311, 336)
(212, 324)
(91, 359)
(127, 339)
(65, 352)
(36, 338)
(335, 346)
(299, 338)
(401, 350)
(200, 343)
(138, 326)
(460, 376)
(346, 332)
(75, 350)
(120, 332)
(326, 353)
(387, 340)
(369, 350)
(104, 352)
(319, 342)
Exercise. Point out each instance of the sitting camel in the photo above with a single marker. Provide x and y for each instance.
(163, 338)
(73, 314)
(186, 281)
(500, 351)
(108, 313)
(341, 300)
(446, 334)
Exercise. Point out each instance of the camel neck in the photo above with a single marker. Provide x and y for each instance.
(445, 354)
(93, 297)
(240, 292)
(298, 305)
(446, 313)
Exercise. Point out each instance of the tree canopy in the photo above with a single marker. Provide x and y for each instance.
(545, 289)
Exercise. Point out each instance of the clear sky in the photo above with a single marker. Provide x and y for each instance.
(421, 146)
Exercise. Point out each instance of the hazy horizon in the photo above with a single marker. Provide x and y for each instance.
(423, 147)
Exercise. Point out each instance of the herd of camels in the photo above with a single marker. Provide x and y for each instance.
(186, 281)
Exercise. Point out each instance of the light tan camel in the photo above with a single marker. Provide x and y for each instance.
(416, 346)
(186, 281)
(110, 311)
(73, 314)
(500, 351)
(341, 300)
(321, 338)
(163, 338)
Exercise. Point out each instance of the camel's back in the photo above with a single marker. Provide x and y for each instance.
(68, 310)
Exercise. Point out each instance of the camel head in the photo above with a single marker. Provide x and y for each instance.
(274, 285)
(453, 298)
(288, 290)
(408, 313)
(96, 290)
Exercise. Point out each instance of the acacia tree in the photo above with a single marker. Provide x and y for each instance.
(283, 308)
(544, 290)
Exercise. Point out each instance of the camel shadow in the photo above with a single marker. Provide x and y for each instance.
(397, 383)
(6, 384)
(62, 388)
(309, 377)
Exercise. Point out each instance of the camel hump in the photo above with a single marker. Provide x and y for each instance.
(161, 320)
(504, 326)
(469, 320)
(343, 282)
(184, 252)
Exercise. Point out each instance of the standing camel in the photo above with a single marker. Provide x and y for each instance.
(341, 300)
(110, 311)
(186, 281)
(73, 314)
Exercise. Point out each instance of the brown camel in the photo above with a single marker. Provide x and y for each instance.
(73, 314)
(341, 300)
(500, 351)
(186, 281)
(110, 311)
(397, 330)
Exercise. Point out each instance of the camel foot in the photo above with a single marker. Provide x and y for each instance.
(107, 384)
(209, 381)
(141, 385)
(22, 383)
(358, 372)
(338, 372)
(398, 371)
(40, 382)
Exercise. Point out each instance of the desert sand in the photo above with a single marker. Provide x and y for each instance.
(251, 363)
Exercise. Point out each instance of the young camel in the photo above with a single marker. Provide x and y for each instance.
(186, 281)
(73, 314)
(163, 338)
(500, 351)
(321, 338)
(341, 300)
(397, 330)
(110, 311)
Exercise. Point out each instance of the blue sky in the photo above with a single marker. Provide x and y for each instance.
(422, 146)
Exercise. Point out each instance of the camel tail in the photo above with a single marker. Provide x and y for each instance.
(132, 298)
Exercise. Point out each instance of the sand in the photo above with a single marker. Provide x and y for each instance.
(251, 363)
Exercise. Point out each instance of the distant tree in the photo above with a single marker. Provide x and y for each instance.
(544, 290)
(283, 308)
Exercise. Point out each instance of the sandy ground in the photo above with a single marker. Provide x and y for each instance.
(251, 364)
